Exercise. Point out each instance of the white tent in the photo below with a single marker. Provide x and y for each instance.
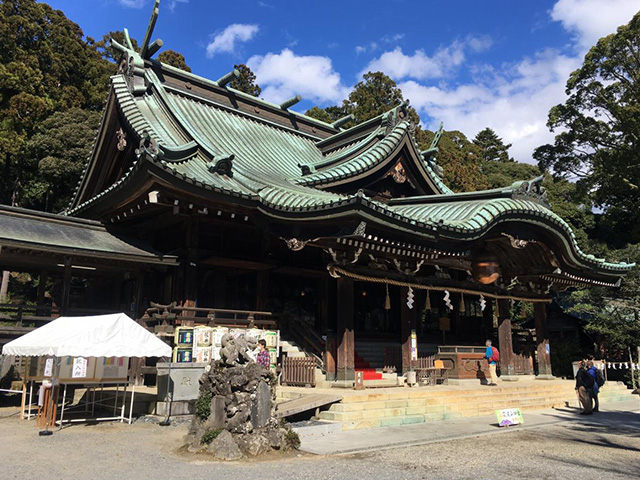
(114, 335)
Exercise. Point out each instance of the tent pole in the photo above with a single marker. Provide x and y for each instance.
(166, 422)
(56, 370)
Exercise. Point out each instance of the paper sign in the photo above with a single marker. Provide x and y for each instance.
(509, 416)
(79, 367)
(48, 367)
(414, 345)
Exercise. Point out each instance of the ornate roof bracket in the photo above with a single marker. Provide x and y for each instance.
(131, 65)
(147, 146)
(223, 166)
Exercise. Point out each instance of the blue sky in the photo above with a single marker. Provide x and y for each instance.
(471, 64)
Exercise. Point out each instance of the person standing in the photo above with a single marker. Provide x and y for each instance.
(263, 358)
(591, 369)
(492, 356)
(584, 386)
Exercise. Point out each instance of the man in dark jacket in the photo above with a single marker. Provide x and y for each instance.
(584, 386)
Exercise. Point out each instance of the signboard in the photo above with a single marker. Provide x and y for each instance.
(509, 416)
(414, 345)
(48, 367)
(79, 369)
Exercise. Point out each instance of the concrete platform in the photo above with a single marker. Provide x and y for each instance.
(395, 406)
(623, 414)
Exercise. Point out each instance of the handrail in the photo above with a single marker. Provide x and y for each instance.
(174, 314)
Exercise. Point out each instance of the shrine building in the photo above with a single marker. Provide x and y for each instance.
(204, 203)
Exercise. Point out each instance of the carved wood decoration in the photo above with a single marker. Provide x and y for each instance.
(122, 140)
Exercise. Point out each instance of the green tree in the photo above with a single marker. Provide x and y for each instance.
(374, 95)
(492, 148)
(599, 127)
(46, 66)
(57, 153)
(246, 82)
(319, 114)
(459, 159)
(174, 59)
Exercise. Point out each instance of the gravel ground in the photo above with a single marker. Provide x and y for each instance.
(148, 452)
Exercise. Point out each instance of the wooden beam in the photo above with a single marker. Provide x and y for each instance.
(505, 339)
(66, 285)
(542, 339)
(345, 335)
(408, 321)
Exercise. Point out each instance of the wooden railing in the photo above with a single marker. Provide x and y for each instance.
(523, 364)
(189, 316)
(299, 372)
(309, 341)
(392, 359)
(24, 316)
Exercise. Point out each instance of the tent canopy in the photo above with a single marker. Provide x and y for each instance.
(114, 335)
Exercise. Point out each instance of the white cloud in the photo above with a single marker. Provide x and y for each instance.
(173, 3)
(132, 3)
(227, 40)
(589, 20)
(421, 66)
(285, 74)
(514, 102)
(513, 99)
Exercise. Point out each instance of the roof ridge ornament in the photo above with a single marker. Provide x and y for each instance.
(290, 102)
(146, 51)
(131, 63)
(531, 190)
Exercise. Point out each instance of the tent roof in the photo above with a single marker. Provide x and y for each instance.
(113, 335)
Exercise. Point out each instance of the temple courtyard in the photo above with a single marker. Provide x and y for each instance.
(553, 443)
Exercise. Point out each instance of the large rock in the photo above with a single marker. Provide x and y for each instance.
(261, 408)
(224, 447)
(254, 444)
(217, 415)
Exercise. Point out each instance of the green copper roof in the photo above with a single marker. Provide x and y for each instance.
(285, 165)
(33, 230)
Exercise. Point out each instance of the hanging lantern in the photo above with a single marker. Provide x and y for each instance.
(485, 267)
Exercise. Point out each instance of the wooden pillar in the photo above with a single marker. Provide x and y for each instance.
(262, 291)
(42, 289)
(487, 322)
(66, 286)
(191, 262)
(323, 304)
(330, 355)
(139, 297)
(345, 339)
(408, 321)
(505, 339)
(542, 339)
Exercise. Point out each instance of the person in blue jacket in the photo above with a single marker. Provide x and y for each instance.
(591, 369)
(492, 363)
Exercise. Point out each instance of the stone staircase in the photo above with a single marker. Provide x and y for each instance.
(291, 349)
(406, 405)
